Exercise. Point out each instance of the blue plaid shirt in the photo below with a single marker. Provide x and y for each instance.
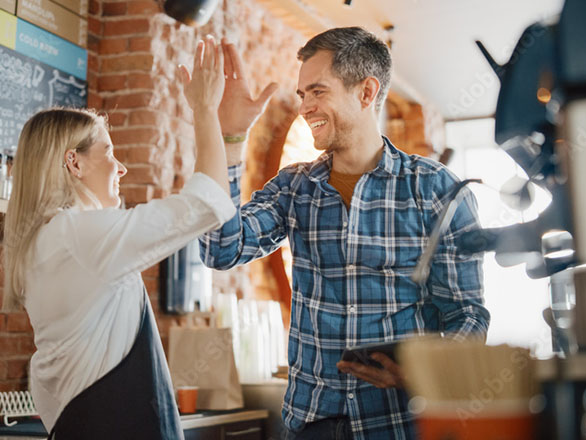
(351, 270)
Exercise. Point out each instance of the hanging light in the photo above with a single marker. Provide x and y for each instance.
(191, 12)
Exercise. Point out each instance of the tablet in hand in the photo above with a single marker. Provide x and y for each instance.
(361, 353)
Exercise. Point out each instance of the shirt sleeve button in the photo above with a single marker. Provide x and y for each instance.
(350, 396)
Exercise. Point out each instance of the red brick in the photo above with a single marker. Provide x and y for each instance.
(126, 27)
(111, 83)
(8, 344)
(140, 174)
(133, 100)
(17, 368)
(134, 136)
(92, 80)
(138, 155)
(113, 46)
(178, 182)
(143, 62)
(113, 8)
(94, 26)
(18, 322)
(145, 117)
(26, 345)
(13, 385)
(3, 370)
(160, 193)
(140, 44)
(151, 272)
(94, 7)
(140, 81)
(117, 119)
(94, 101)
(2, 322)
(143, 8)
(93, 64)
(134, 195)
(93, 42)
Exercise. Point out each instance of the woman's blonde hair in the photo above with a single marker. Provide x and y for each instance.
(42, 186)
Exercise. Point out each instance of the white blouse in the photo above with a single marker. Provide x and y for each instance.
(84, 291)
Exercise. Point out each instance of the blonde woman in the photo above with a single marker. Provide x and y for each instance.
(74, 260)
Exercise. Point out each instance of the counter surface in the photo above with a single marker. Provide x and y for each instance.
(32, 429)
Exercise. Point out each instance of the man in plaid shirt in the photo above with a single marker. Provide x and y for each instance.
(357, 219)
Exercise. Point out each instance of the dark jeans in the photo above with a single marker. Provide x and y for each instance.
(326, 429)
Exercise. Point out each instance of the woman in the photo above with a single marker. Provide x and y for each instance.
(74, 260)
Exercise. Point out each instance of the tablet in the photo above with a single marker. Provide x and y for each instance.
(361, 353)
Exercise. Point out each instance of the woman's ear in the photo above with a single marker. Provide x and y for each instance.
(71, 162)
(369, 91)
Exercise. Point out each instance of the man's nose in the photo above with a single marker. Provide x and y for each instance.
(307, 106)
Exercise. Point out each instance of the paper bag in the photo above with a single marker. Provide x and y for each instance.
(204, 357)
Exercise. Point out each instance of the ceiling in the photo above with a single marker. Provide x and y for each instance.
(435, 59)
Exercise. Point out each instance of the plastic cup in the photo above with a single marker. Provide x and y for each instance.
(187, 399)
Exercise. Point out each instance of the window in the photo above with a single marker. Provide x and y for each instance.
(514, 300)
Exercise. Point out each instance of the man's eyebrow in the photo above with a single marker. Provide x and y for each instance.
(312, 86)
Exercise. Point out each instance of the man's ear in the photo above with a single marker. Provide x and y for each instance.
(369, 89)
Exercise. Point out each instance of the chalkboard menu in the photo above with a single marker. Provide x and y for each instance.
(27, 86)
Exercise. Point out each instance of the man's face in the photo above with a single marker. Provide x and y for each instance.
(329, 108)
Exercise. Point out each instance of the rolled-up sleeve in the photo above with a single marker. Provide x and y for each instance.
(258, 228)
(114, 242)
(456, 281)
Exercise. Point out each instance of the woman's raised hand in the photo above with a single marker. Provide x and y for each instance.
(204, 88)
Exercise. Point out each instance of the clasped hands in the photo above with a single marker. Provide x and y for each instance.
(237, 110)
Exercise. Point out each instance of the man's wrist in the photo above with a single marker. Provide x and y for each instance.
(234, 153)
(235, 138)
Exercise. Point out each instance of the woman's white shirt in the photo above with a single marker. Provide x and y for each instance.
(84, 292)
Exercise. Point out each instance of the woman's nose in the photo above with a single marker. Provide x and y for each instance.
(121, 169)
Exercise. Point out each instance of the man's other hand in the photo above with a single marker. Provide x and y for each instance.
(389, 376)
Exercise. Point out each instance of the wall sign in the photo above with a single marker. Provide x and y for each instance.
(27, 86)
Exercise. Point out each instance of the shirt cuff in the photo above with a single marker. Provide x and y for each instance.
(206, 189)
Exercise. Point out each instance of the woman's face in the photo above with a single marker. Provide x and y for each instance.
(100, 171)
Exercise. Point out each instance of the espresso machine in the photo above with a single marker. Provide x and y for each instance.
(540, 121)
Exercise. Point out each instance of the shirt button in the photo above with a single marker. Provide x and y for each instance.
(345, 224)
(352, 309)
(350, 395)
(351, 266)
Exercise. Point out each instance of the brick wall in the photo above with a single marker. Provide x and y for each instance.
(133, 53)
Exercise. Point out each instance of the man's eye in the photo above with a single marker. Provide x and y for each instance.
(317, 92)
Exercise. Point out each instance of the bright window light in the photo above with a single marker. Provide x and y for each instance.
(514, 300)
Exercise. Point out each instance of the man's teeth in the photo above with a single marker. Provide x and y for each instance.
(317, 124)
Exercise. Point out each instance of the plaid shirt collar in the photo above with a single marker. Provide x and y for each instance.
(389, 164)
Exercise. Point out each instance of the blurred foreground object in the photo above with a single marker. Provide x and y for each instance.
(467, 390)
(191, 12)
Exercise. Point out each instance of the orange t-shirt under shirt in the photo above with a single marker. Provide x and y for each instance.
(344, 184)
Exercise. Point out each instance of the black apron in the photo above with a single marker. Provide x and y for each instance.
(133, 401)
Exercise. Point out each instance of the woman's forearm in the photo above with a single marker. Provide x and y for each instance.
(210, 153)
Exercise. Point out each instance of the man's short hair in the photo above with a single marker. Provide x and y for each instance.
(356, 54)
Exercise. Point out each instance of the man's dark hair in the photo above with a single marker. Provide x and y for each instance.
(356, 54)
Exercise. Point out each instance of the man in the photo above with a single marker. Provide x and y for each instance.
(357, 219)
